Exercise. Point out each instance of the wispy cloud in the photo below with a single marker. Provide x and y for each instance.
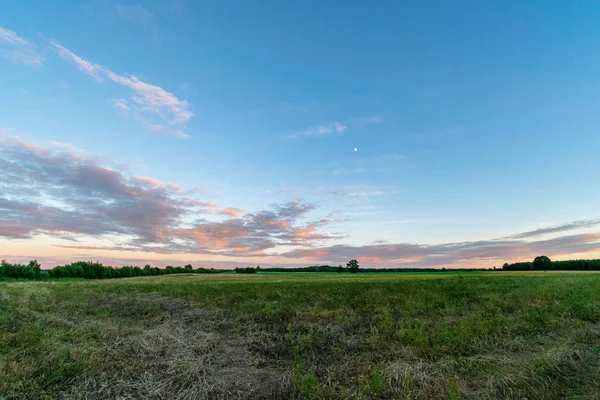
(334, 128)
(583, 224)
(121, 105)
(320, 130)
(135, 13)
(18, 50)
(146, 99)
(364, 193)
(163, 129)
(186, 88)
(358, 191)
(89, 68)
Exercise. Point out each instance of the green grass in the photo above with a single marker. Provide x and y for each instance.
(478, 335)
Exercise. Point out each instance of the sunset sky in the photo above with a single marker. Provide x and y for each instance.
(223, 133)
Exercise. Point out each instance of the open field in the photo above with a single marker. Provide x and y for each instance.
(504, 335)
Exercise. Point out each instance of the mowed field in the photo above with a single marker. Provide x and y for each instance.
(496, 335)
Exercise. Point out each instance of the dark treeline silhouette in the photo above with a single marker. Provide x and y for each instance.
(329, 268)
(313, 268)
(425, 269)
(248, 270)
(543, 263)
(92, 270)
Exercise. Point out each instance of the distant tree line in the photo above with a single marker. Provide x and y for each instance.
(312, 268)
(351, 266)
(95, 270)
(92, 270)
(249, 270)
(543, 263)
(329, 268)
(341, 269)
(424, 269)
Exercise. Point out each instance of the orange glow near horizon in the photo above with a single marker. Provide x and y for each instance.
(44, 248)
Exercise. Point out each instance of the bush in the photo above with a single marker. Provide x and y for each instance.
(20, 271)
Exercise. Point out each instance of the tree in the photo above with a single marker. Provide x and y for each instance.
(340, 268)
(353, 266)
(542, 263)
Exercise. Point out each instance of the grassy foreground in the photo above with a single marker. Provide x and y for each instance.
(284, 336)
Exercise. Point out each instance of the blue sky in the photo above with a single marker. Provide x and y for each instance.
(474, 121)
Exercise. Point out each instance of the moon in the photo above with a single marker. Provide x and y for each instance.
(355, 149)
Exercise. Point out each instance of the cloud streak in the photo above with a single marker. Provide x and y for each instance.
(149, 101)
(587, 223)
(121, 105)
(357, 191)
(329, 129)
(18, 50)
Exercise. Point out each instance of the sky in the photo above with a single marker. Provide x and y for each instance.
(275, 133)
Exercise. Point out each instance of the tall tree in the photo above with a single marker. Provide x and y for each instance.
(542, 263)
(353, 266)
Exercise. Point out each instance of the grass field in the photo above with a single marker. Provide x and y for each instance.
(497, 335)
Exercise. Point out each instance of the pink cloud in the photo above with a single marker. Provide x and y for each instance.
(232, 212)
(57, 192)
(121, 105)
(147, 99)
(89, 68)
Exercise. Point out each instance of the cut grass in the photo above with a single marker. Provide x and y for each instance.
(314, 336)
